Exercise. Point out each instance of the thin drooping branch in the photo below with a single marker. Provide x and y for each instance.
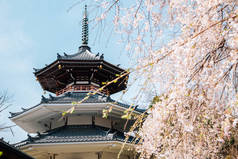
(6, 127)
(4, 101)
(4, 104)
(216, 54)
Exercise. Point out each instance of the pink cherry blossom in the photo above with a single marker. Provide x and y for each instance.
(187, 52)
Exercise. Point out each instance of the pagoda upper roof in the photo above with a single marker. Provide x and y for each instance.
(84, 53)
(76, 133)
(84, 65)
(69, 97)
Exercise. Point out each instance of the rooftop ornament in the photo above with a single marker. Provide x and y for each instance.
(85, 28)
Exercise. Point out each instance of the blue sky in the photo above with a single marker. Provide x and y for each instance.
(31, 34)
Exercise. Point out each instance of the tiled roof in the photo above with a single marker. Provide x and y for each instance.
(83, 54)
(76, 133)
(69, 97)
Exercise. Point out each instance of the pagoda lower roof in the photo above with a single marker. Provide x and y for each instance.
(76, 134)
(70, 97)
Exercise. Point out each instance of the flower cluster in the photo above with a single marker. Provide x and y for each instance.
(188, 51)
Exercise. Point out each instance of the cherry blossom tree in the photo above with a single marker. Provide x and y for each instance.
(186, 51)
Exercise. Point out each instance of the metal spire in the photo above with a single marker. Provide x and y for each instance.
(85, 27)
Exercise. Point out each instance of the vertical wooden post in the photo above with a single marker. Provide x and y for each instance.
(99, 155)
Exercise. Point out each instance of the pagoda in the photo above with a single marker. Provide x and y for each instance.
(83, 134)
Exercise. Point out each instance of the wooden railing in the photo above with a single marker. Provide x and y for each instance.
(78, 88)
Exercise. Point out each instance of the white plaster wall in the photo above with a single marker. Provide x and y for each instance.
(109, 155)
(77, 156)
(92, 155)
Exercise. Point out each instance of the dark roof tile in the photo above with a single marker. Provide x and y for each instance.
(76, 133)
(69, 97)
(83, 54)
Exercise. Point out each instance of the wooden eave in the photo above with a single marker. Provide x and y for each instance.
(91, 62)
(48, 76)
